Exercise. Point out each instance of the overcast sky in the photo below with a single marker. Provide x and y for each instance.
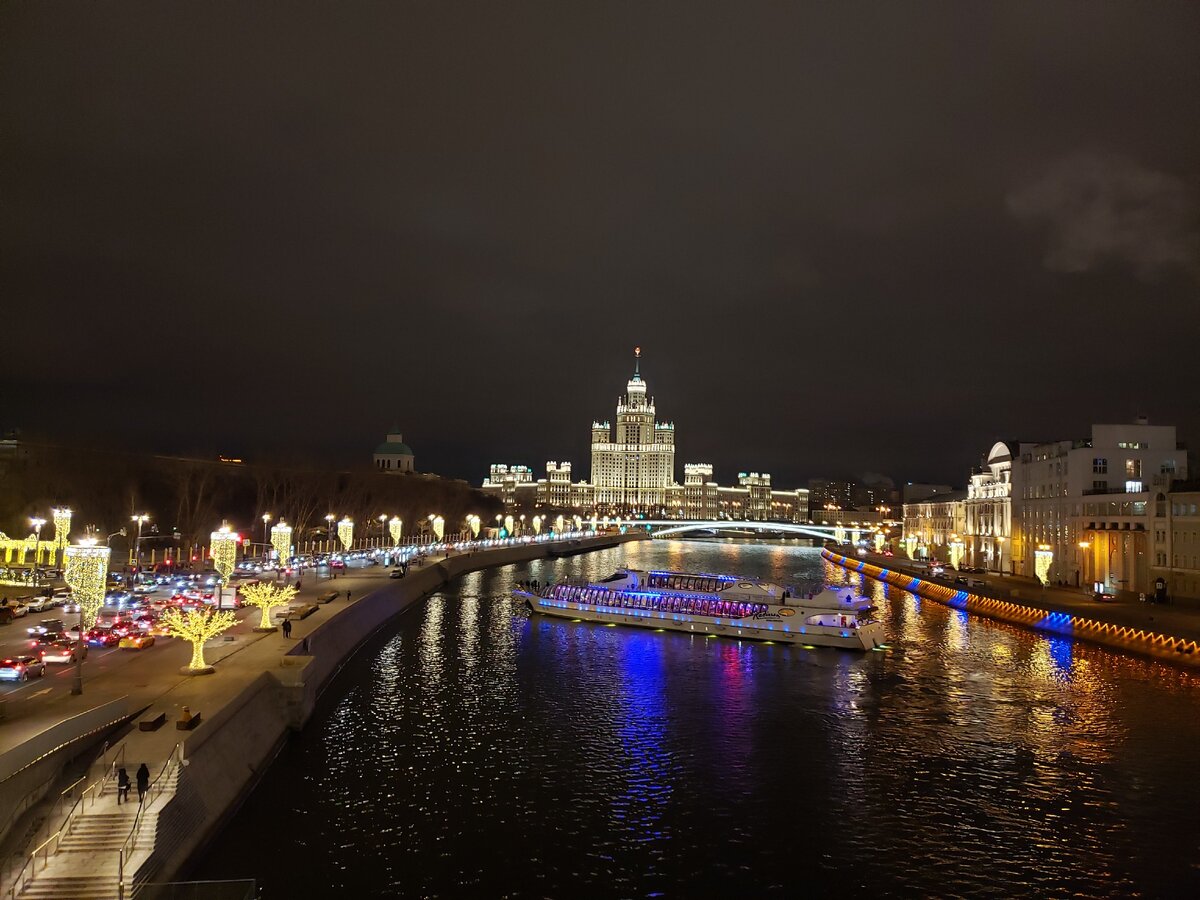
(849, 237)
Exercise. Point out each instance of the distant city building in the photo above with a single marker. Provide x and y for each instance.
(632, 471)
(868, 493)
(934, 523)
(393, 455)
(915, 491)
(633, 474)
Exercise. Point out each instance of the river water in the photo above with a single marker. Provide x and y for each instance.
(475, 750)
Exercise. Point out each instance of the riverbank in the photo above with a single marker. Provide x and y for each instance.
(1171, 635)
(258, 695)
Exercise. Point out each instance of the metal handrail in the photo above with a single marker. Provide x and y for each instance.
(125, 852)
(110, 773)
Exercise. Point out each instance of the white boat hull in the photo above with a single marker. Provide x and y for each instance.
(864, 637)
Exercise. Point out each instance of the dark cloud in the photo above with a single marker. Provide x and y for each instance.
(1099, 208)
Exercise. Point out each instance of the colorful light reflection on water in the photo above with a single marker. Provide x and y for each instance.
(476, 751)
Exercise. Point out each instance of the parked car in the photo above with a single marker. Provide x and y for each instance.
(64, 652)
(20, 668)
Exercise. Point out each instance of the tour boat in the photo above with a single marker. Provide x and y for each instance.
(725, 605)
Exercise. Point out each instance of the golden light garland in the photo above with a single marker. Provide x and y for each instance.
(346, 533)
(281, 540)
(878, 541)
(508, 525)
(61, 515)
(439, 526)
(1043, 556)
(910, 543)
(473, 521)
(395, 524)
(198, 626)
(558, 524)
(537, 524)
(579, 522)
(85, 571)
(222, 547)
(956, 552)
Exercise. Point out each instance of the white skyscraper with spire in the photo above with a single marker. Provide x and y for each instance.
(632, 472)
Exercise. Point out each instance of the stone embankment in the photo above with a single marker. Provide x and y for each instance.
(1168, 635)
(258, 696)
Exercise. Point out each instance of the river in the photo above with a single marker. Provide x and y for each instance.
(474, 750)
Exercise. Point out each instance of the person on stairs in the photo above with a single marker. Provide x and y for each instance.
(122, 786)
(143, 781)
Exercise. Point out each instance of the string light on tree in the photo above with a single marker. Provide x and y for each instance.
(508, 526)
(198, 626)
(266, 596)
(395, 524)
(439, 527)
(86, 574)
(474, 522)
(281, 540)
(1043, 557)
(878, 541)
(537, 524)
(558, 525)
(956, 550)
(910, 544)
(345, 532)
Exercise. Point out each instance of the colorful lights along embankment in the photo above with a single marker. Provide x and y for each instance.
(1121, 637)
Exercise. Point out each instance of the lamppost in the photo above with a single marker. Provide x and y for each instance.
(86, 572)
(1085, 562)
(382, 529)
(266, 519)
(1000, 554)
(139, 520)
(37, 543)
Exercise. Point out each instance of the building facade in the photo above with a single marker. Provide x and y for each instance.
(1175, 536)
(930, 525)
(988, 510)
(1089, 504)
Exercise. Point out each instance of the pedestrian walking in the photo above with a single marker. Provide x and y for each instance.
(143, 781)
(122, 786)
(287, 628)
(347, 596)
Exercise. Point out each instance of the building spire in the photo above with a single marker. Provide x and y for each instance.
(637, 363)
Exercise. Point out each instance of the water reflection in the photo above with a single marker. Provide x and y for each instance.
(479, 751)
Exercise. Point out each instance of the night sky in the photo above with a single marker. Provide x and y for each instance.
(849, 237)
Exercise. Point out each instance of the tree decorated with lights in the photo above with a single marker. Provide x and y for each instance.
(537, 524)
(558, 524)
(508, 525)
(878, 541)
(198, 626)
(345, 531)
(473, 522)
(395, 524)
(439, 527)
(281, 540)
(86, 573)
(910, 544)
(267, 596)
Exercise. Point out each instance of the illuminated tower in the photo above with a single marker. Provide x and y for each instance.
(632, 470)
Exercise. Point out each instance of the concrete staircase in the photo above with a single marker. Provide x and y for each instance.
(85, 865)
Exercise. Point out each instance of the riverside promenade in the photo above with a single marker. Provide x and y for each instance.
(265, 686)
(1169, 633)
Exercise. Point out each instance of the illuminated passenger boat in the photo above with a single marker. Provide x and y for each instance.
(714, 605)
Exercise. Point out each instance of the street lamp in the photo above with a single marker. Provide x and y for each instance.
(139, 520)
(329, 520)
(266, 519)
(37, 544)
(382, 529)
